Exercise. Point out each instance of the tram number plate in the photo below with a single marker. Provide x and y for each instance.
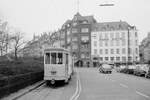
(53, 72)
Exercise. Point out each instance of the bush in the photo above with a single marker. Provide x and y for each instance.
(21, 66)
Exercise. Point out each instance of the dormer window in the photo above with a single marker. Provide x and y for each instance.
(85, 22)
(74, 24)
(68, 25)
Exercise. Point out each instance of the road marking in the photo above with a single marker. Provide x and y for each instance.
(142, 94)
(78, 89)
(123, 85)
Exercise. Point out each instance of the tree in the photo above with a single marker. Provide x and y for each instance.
(18, 42)
(4, 41)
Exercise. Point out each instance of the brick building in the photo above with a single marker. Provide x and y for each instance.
(76, 36)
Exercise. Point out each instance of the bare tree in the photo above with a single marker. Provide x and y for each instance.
(4, 41)
(18, 42)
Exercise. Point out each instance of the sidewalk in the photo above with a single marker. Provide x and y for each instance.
(21, 92)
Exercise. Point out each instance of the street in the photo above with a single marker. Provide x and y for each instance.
(89, 84)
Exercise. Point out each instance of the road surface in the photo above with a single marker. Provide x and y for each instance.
(89, 84)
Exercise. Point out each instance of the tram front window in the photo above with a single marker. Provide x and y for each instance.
(60, 58)
(47, 58)
(53, 58)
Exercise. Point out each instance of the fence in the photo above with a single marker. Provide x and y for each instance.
(13, 83)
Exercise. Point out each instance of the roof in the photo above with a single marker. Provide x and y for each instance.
(79, 17)
(110, 26)
(53, 48)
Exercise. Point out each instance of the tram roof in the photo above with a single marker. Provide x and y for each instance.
(56, 49)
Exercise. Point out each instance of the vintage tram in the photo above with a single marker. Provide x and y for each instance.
(58, 65)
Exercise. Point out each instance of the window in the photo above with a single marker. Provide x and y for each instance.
(124, 59)
(101, 51)
(84, 46)
(112, 42)
(136, 51)
(117, 42)
(74, 30)
(74, 24)
(74, 39)
(84, 30)
(112, 51)
(123, 50)
(117, 35)
(100, 36)
(117, 51)
(106, 43)
(84, 22)
(47, 58)
(106, 36)
(129, 50)
(136, 34)
(136, 42)
(129, 58)
(95, 51)
(95, 43)
(106, 51)
(123, 35)
(106, 59)
(101, 58)
(68, 32)
(112, 58)
(85, 38)
(74, 46)
(60, 58)
(66, 58)
(87, 55)
(68, 40)
(100, 43)
(53, 58)
(123, 42)
(82, 55)
(94, 36)
(117, 58)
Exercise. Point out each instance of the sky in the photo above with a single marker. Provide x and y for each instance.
(37, 16)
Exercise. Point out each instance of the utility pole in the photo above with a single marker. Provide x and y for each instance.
(77, 5)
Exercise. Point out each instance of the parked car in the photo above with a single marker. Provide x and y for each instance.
(128, 69)
(131, 69)
(141, 70)
(105, 68)
(121, 68)
(148, 73)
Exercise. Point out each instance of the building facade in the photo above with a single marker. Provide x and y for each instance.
(114, 42)
(92, 43)
(76, 36)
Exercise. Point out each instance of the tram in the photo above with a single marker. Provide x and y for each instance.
(58, 65)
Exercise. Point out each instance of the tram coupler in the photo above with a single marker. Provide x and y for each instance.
(52, 81)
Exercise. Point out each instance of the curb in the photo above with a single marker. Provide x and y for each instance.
(25, 91)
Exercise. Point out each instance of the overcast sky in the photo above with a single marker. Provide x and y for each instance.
(36, 16)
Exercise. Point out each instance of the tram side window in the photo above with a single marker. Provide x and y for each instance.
(66, 58)
(53, 58)
(60, 58)
(47, 58)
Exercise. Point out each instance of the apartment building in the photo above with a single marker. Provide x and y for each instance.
(76, 36)
(114, 42)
